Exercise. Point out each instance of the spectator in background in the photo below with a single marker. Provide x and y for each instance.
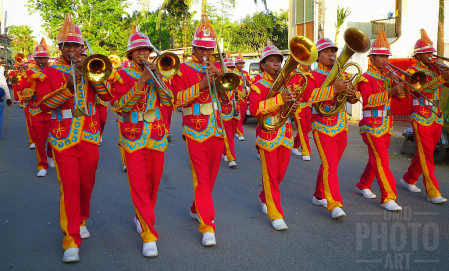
(4, 94)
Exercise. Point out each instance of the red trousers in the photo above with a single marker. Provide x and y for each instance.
(304, 127)
(103, 111)
(30, 130)
(230, 128)
(166, 112)
(76, 169)
(15, 88)
(378, 166)
(145, 169)
(330, 149)
(205, 159)
(427, 138)
(243, 106)
(122, 151)
(274, 166)
(41, 129)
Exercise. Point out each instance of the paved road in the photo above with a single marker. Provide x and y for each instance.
(368, 238)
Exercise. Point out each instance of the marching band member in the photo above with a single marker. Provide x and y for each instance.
(40, 121)
(14, 79)
(329, 132)
(376, 127)
(143, 138)
(427, 126)
(23, 104)
(203, 132)
(245, 82)
(274, 146)
(302, 120)
(74, 135)
(231, 115)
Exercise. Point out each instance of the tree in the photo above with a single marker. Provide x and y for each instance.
(22, 39)
(342, 14)
(101, 21)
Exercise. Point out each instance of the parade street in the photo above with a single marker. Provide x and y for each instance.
(368, 238)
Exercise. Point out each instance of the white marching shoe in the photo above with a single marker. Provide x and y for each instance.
(50, 162)
(124, 168)
(42, 173)
(437, 200)
(32, 146)
(236, 135)
(320, 202)
(338, 213)
(391, 205)
(306, 158)
(295, 151)
(196, 216)
(258, 156)
(279, 224)
(101, 139)
(84, 232)
(138, 226)
(149, 249)
(241, 138)
(411, 187)
(71, 255)
(264, 207)
(209, 239)
(225, 158)
(366, 193)
(232, 164)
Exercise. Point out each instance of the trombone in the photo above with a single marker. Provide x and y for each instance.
(439, 65)
(167, 64)
(417, 79)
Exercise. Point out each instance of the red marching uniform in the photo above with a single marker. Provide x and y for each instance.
(274, 146)
(231, 116)
(15, 86)
(203, 132)
(102, 108)
(30, 131)
(74, 138)
(167, 108)
(302, 120)
(330, 133)
(242, 95)
(427, 126)
(376, 127)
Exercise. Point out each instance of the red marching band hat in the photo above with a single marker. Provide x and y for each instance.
(138, 40)
(228, 61)
(239, 58)
(269, 50)
(31, 59)
(424, 45)
(380, 46)
(42, 49)
(204, 35)
(325, 43)
(69, 32)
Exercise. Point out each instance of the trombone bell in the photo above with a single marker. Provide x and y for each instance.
(97, 68)
(227, 82)
(168, 64)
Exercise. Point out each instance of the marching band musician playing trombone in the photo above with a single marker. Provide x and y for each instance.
(203, 133)
(427, 125)
(376, 127)
(74, 134)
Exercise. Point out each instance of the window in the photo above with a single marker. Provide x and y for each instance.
(254, 69)
(303, 11)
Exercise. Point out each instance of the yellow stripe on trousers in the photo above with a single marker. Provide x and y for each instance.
(431, 190)
(203, 226)
(146, 234)
(331, 203)
(273, 212)
(305, 151)
(68, 241)
(228, 151)
(383, 177)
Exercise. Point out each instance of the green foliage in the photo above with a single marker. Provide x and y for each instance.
(253, 32)
(23, 39)
(342, 15)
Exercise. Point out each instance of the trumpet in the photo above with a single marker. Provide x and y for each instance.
(418, 79)
(302, 51)
(439, 65)
(356, 42)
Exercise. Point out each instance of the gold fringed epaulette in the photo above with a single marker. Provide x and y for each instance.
(179, 73)
(363, 79)
(255, 89)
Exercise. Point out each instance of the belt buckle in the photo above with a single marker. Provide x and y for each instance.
(207, 109)
(150, 115)
(77, 113)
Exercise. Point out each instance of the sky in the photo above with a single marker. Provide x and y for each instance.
(18, 13)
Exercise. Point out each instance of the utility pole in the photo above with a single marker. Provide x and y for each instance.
(5, 46)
